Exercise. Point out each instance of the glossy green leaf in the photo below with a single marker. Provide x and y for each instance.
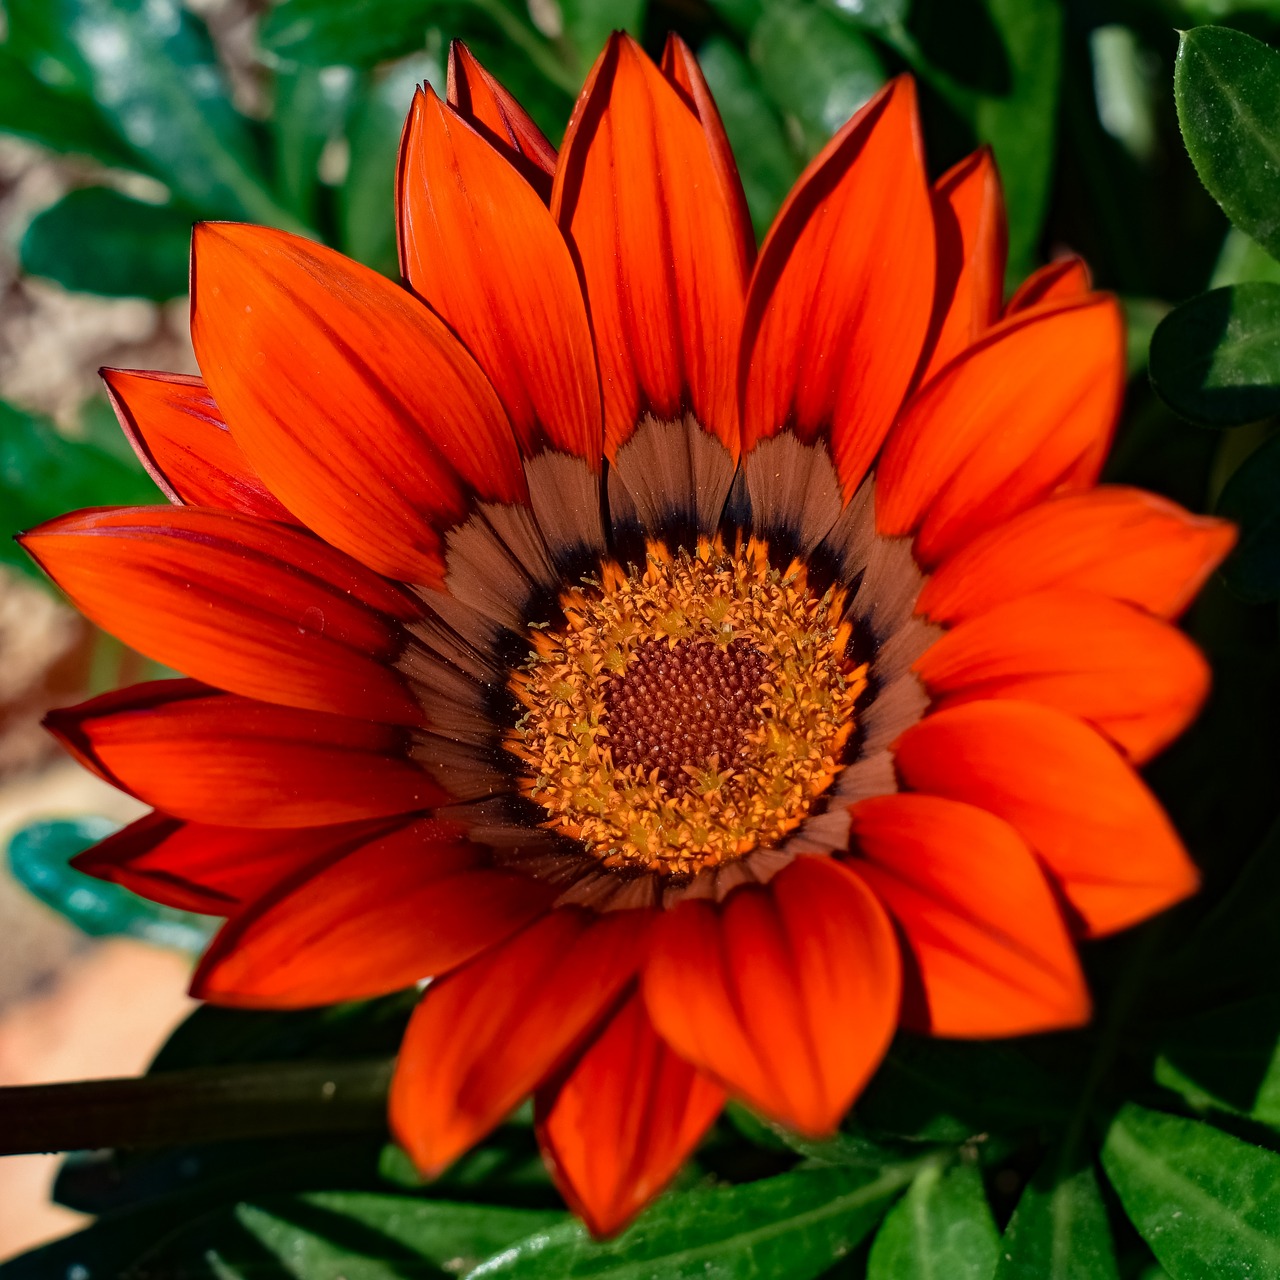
(310, 111)
(817, 69)
(1243, 260)
(941, 1228)
(38, 859)
(1227, 1059)
(874, 14)
(1207, 1204)
(367, 204)
(322, 33)
(795, 1225)
(1252, 499)
(43, 473)
(1227, 87)
(1216, 359)
(61, 121)
(1059, 1229)
(767, 163)
(152, 71)
(96, 240)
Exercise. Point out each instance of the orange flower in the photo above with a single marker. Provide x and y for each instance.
(698, 666)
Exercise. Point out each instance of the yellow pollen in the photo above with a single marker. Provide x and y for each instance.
(687, 713)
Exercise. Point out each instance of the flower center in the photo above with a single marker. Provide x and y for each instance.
(688, 712)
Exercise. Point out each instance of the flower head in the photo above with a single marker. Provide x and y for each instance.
(697, 665)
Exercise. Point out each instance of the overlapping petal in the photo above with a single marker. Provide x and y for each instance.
(842, 295)
(991, 954)
(787, 994)
(488, 1034)
(253, 607)
(354, 403)
(478, 245)
(1018, 414)
(621, 1124)
(640, 195)
(179, 436)
(1121, 542)
(404, 906)
(1062, 280)
(221, 759)
(1137, 679)
(1108, 845)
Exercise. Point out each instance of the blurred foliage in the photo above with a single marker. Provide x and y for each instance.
(1144, 1146)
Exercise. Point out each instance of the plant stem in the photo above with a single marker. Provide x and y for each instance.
(202, 1104)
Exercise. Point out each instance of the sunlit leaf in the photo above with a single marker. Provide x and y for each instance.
(1208, 1204)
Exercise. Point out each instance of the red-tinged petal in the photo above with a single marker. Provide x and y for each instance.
(786, 993)
(214, 870)
(489, 1033)
(682, 70)
(484, 103)
(1106, 842)
(408, 905)
(481, 249)
(841, 297)
(355, 404)
(1119, 542)
(619, 1127)
(639, 194)
(179, 436)
(1139, 680)
(1003, 425)
(1060, 281)
(973, 241)
(214, 757)
(250, 606)
(992, 955)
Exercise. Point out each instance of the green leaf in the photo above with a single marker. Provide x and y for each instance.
(1252, 499)
(96, 240)
(1227, 88)
(942, 1227)
(767, 164)
(795, 1225)
(817, 69)
(367, 208)
(322, 33)
(1059, 1229)
(588, 24)
(153, 73)
(876, 15)
(1227, 1059)
(44, 473)
(449, 1236)
(62, 121)
(1207, 1203)
(1216, 359)
(1242, 260)
(38, 858)
(310, 111)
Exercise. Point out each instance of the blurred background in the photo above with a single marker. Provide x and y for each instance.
(123, 121)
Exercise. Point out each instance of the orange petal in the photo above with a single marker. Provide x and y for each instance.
(489, 1033)
(1061, 281)
(214, 757)
(1120, 542)
(639, 194)
(481, 249)
(1140, 681)
(1003, 425)
(356, 406)
(213, 870)
(1108, 845)
(973, 241)
(409, 905)
(682, 70)
(991, 949)
(786, 993)
(481, 101)
(841, 297)
(179, 436)
(250, 606)
(617, 1130)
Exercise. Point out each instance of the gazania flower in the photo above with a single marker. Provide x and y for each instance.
(698, 666)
